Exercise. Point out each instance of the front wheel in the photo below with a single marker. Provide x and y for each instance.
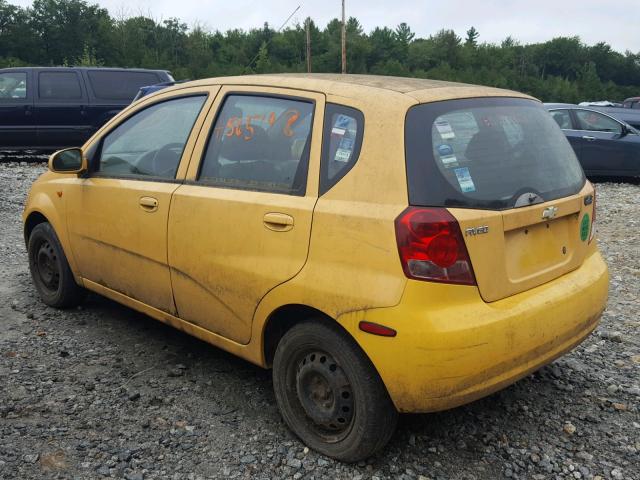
(50, 270)
(330, 394)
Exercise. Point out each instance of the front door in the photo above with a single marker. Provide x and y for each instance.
(16, 109)
(603, 152)
(241, 225)
(118, 216)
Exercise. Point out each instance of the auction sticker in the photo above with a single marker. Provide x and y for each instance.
(444, 129)
(464, 180)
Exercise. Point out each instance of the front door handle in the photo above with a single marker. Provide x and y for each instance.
(148, 204)
(278, 222)
(589, 138)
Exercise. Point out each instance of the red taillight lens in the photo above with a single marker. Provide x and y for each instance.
(431, 246)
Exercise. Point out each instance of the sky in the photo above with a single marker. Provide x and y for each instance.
(616, 22)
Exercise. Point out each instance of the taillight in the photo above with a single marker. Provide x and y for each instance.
(431, 246)
(592, 232)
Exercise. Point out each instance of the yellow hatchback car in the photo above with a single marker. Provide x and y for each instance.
(384, 244)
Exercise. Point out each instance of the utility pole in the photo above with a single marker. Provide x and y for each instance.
(308, 44)
(344, 42)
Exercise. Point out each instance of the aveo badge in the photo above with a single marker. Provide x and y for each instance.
(584, 227)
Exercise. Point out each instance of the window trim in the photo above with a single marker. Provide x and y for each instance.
(306, 156)
(326, 183)
(96, 155)
(71, 101)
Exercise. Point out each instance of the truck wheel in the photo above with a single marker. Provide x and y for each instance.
(330, 394)
(50, 270)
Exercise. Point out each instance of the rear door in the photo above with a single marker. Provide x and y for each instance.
(241, 225)
(565, 121)
(505, 170)
(604, 150)
(16, 109)
(60, 108)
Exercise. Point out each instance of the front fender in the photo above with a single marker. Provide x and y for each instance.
(47, 199)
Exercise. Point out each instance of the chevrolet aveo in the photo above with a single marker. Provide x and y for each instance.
(384, 245)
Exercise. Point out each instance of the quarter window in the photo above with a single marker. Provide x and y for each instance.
(562, 118)
(59, 86)
(260, 143)
(119, 85)
(13, 85)
(596, 122)
(342, 138)
(152, 141)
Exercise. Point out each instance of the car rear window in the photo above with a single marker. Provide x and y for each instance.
(120, 85)
(490, 153)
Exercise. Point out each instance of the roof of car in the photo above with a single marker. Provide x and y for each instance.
(71, 67)
(356, 86)
(560, 105)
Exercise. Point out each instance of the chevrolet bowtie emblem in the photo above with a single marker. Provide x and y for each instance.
(549, 213)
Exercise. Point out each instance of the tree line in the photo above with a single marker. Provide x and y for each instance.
(74, 32)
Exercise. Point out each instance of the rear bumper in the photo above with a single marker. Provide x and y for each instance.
(453, 348)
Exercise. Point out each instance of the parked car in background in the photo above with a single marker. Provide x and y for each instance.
(55, 107)
(149, 89)
(627, 112)
(384, 244)
(603, 144)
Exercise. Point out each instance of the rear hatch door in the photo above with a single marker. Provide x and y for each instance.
(507, 173)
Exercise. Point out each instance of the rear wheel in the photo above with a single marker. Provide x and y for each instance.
(330, 394)
(50, 270)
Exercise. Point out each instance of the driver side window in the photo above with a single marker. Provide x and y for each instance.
(151, 142)
(596, 122)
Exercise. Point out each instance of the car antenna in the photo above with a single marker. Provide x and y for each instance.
(277, 31)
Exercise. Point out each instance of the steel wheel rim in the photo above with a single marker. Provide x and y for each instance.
(325, 395)
(47, 266)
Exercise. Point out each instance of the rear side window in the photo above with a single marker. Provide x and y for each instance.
(342, 139)
(59, 86)
(491, 153)
(119, 85)
(13, 85)
(260, 143)
(151, 142)
(562, 118)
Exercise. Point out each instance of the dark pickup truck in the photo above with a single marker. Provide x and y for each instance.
(50, 108)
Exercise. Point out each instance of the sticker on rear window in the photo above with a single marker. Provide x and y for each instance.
(449, 161)
(464, 180)
(444, 129)
(445, 149)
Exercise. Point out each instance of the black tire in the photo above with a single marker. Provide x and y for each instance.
(50, 270)
(330, 394)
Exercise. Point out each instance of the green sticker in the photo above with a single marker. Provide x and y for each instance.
(584, 227)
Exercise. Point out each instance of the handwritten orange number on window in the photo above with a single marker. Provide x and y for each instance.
(293, 118)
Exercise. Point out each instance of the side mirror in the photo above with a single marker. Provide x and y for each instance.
(70, 160)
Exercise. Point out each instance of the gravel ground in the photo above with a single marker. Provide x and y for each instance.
(103, 391)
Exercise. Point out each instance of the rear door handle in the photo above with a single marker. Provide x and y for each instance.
(278, 222)
(148, 204)
(589, 138)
